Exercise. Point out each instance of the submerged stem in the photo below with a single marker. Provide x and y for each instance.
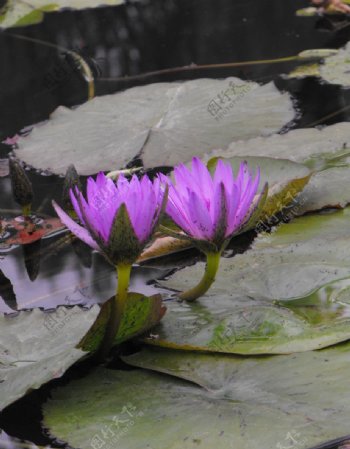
(213, 261)
(117, 310)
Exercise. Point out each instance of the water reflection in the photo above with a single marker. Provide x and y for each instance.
(63, 280)
(328, 304)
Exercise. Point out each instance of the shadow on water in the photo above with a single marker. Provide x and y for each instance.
(149, 35)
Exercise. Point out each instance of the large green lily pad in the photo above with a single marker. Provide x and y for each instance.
(255, 403)
(17, 13)
(36, 347)
(165, 123)
(326, 151)
(246, 311)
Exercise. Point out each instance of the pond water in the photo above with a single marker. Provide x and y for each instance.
(131, 40)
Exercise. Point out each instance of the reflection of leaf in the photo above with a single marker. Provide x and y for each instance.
(246, 403)
(240, 313)
(141, 314)
(37, 347)
(29, 12)
(32, 257)
(62, 280)
(6, 292)
(167, 123)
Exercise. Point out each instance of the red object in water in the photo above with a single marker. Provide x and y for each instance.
(25, 230)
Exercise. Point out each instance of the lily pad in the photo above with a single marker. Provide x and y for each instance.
(17, 13)
(322, 150)
(141, 314)
(246, 312)
(334, 70)
(36, 347)
(164, 123)
(255, 403)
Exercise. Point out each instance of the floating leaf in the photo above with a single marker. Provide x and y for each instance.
(37, 346)
(307, 12)
(304, 70)
(167, 123)
(334, 70)
(322, 150)
(163, 246)
(243, 313)
(286, 179)
(16, 13)
(254, 403)
(140, 315)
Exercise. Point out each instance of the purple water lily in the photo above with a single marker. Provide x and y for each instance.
(210, 210)
(118, 219)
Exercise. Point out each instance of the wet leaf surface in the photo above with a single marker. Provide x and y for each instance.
(245, 310)
(334, 70)
(37, 346)
(23, 12)
(167, 123)
(141, 314)
(325, 151)
(255, 403)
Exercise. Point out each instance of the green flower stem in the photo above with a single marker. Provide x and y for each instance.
(213, 261)
(117, 310)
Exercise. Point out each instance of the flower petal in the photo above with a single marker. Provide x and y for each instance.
(76, 229)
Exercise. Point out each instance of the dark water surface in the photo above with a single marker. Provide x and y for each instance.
(149, 35)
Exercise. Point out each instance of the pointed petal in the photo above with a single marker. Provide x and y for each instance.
(201, 217)
(76, 229)
(76, 205)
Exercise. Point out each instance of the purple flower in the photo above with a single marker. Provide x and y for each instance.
(118, 219)
(210, 208)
